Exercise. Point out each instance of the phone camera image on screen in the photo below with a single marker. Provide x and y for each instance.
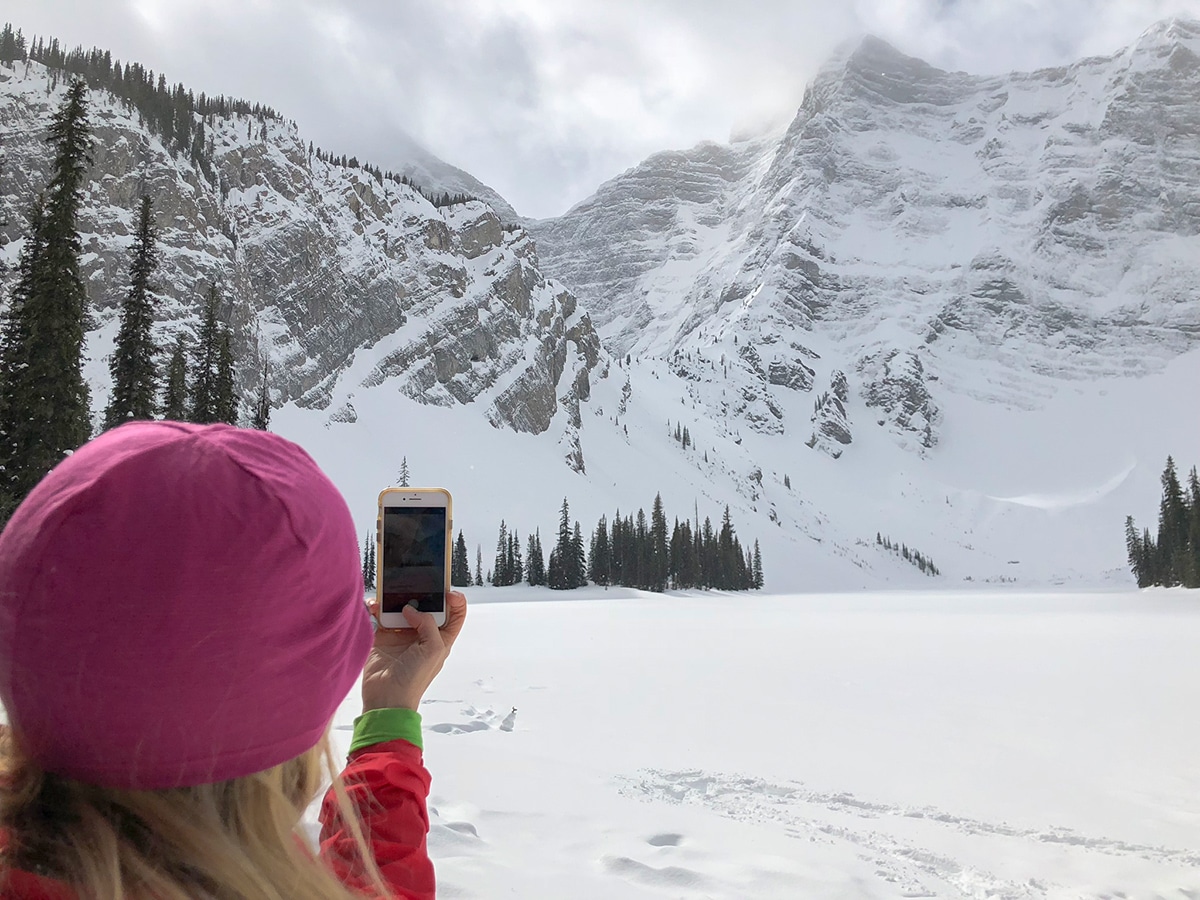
(414, 558)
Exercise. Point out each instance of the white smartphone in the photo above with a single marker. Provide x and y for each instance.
(413, 549)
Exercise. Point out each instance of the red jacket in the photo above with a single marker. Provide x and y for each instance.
(387, 783)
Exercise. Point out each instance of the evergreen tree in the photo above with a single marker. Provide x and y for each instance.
(402, 476)
(500, 572)
(1172, 528)
(478, 566)
(135, 380)
(1150, 558)
(460, 564)
(1135, 552)
(600, 560)
(368, 556)
(205, 391)
(558, 575)
(576, 568)
(262, 408)
(516, 565)
(227, 399)
(659, 559)
(757, 568)
(44, 405)
(536, 561)
(727, 556)
(554, 571)
(640, 555)
(706, 551)
(12, 46)
(616, 541)
(175, 400)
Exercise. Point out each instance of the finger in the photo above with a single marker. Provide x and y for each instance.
(423, 624)
(456, 614)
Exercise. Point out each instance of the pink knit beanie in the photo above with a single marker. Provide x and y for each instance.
(179, 604)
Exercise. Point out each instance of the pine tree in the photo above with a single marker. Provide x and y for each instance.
(262, 408)
(536, 561)
(616, 542)
(175, 399)
(658, 569)
(554, 571)
(227, 399)
(205, 361)
(500, 574)
(460, 564)
(727, 556)
(371, 567)
(44, 404)
(558, 575)
(576, 568)
(757, 568)
(478, 566)
(1135, 552)
(516, 565)
(366, 559)
(706, 552)
(368, 568)
(1150, 558)
(600, 560)
(135, 380)
(402, 476)
(1172, 528)
(640, 555)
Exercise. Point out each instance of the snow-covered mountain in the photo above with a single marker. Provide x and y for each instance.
(913, 229)
(951, 311)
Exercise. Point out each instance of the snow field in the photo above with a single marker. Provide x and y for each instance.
(910, 744)
(1011, 495)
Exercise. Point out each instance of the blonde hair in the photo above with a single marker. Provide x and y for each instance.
(233, 840)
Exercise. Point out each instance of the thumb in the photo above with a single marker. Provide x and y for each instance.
(422, 623)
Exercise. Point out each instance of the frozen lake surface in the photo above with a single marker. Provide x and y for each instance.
(975, 744)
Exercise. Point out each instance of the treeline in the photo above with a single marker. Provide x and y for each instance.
(352, 162)
(632, 551)
(45, 409)
(916, 557)
(1172, 556)
(172, 112)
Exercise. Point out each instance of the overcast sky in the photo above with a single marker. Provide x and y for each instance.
(544, 99)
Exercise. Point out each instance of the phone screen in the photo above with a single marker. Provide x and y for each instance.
(414, 558)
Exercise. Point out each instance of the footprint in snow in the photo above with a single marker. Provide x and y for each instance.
(477, 720)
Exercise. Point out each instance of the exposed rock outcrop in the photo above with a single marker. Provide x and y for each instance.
(831, 426)
(896, 388)
(316, 263)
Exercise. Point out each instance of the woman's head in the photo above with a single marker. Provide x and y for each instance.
(179, 605)
(181, 613)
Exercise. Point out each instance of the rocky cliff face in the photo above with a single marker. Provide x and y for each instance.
(911, 224)
(318, 263)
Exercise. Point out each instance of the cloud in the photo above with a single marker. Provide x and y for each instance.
(544, 99)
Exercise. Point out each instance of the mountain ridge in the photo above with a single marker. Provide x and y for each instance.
(868, 321)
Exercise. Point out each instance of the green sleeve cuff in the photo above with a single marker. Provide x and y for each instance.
(379, 725)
